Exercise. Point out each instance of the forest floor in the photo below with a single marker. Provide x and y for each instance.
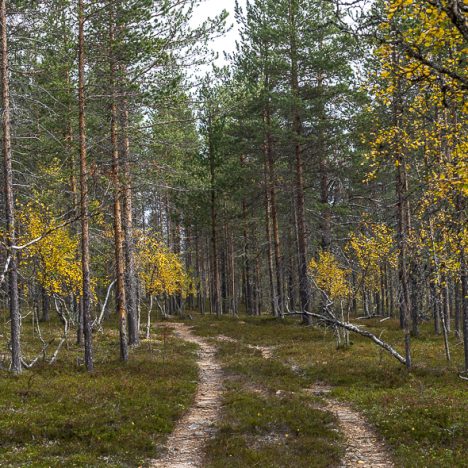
(267, 393)
(121, 415)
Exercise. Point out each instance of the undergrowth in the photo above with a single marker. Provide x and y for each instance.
(58, 415)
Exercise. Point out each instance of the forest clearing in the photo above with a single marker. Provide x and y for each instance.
(234, 233)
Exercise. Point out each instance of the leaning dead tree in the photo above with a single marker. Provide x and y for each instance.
(331, 320)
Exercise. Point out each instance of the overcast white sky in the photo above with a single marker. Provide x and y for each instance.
(211, 8)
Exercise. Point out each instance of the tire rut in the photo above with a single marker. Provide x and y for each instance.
(186, 445)
(363, 446)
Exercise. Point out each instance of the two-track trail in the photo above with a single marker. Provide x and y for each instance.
(186, 445)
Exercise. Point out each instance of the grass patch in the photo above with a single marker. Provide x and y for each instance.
(118, 416)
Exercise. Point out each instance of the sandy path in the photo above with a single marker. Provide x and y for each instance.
(186, 445)
(363, 446)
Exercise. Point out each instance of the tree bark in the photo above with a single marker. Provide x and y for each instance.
(216, 289)
(273, 298)
(274, 217)
(118, 232)
(15, 317)
(247, 267)
(84, 201)
(130, 273)
(45, 305)
(457, 310)
(299, 165)
(461, 210)
(405, 296)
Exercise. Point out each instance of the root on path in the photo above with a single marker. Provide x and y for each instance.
(186, 445)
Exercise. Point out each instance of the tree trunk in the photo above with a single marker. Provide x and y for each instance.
(271, 183)
(45, 305)
(79, 323)
(148, 318)
(299, 169)
(15, 317)
(446, 303)
(216, 289)
(247, 267)
(403, 226)
(130, 273)
(273, 298)
(464, 288)
(457, 307)
(84, 201)
(405, 296)
(461, 209)
(118, 232)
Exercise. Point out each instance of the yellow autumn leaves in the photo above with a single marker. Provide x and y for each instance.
(329, 276)
(54, 258)
(162, 271)
(371, 249)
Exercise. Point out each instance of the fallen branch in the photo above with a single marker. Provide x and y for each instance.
(34, 361)
(357, 330)
(61, 314)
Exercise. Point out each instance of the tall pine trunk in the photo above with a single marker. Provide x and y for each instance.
(15, 317)
(271, 282)
(118, 232)
(84, 201)
(299, 165)
(130, 273)
(248, 293)
(274, 213)
(216, 287)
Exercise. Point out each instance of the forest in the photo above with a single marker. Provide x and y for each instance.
(238, 259)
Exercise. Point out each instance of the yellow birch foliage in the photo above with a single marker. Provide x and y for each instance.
(329, 275)
(161, 270)
(421, 118)
(54, 258)
(372, 248)
(423, 61)
(444, 246)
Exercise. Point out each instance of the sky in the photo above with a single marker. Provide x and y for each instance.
(211, 8)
